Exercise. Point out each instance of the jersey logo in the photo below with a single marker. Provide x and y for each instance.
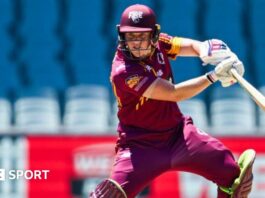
(149, 68)
(160, 58)
(133, 80)
(159, 73)
(135, 16)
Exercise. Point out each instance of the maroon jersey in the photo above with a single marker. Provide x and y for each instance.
(131, 78)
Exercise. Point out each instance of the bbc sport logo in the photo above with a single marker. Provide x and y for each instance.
(25, 174)
(2, 174)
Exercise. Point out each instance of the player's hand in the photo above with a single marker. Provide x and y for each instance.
(222, 71)
(213, 51)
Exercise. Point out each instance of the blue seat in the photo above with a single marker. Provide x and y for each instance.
(9, 78)
(6, 43)
(85, 21)
(40, 19)
(87, 69)
(179, 18)
(38, 31)
(7, 15)
(259, 69)
(185, 68)
(91, 75)
(41, 44)
(223, 19)
(39, 49)
(3, 92)
(257, 32)
(88, 49)
(8, 75)
(51, 75)
(256, 21)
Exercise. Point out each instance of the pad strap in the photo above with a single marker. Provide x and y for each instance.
(108, 189)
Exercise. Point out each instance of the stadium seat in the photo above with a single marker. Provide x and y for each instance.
(179, 18)
(50, 75)
(5, 115)
(256, 21)
(41, 44)
(87, 109)
(8, 75)
(232, 111)
(6, 44)
(89, 66)
(223, 19)
(37, 111)
(195, 108)
(87, 47)
(41, 51)
(185, 68)
(259, 69)
(7, 15)
(9, 78)
(39, 20)
(256, 29)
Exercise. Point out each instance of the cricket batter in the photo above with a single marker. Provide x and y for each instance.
(154, 136)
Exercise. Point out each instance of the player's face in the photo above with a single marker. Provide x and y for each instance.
(139, 43)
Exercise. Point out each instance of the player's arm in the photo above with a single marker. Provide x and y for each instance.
(189, 47)
(162, 89)
(211, 51)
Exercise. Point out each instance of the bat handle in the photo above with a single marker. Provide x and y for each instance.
(235, 74)
(252, 91)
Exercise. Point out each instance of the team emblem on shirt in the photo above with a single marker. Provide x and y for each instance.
(135, 16)
(160, 58)
(133, 80)
(159, 73)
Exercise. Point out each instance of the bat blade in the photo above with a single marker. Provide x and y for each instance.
(252, 91)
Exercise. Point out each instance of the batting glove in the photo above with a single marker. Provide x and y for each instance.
(213, 51)
(222, 71)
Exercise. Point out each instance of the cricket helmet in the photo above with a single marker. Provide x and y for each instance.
(137, 18)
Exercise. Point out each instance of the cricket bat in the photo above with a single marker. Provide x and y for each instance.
(252, 91)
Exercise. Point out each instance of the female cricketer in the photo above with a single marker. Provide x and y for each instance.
(154, 136)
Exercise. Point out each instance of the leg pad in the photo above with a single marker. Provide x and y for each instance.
(108, 189)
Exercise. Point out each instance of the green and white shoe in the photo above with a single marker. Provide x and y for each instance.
(243, 184)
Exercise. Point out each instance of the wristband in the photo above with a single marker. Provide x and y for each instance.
(211, 76)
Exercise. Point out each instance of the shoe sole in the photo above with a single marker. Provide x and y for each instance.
(247, 171)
